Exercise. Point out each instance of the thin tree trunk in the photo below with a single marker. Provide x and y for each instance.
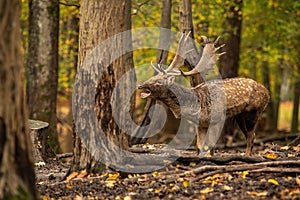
(17, 178)
(42, 64)
(186, 26)
(229, 62)
(270, 107)
(165, 34)
(295, 118)
(101, 20)
(277, 92)
(141, 135)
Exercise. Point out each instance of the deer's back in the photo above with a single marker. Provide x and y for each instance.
(240, 95)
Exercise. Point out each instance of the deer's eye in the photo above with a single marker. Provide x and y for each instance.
(158, 83)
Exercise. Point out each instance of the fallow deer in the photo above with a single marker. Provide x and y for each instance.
(243, 99)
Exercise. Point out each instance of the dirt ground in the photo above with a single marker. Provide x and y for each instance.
(273, 172)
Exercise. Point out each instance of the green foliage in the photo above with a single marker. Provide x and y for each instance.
(269, 33)
(68, 48)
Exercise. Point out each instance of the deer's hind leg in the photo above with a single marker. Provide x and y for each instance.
(247, 122)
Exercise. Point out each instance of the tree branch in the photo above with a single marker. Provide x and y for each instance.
(70, 4)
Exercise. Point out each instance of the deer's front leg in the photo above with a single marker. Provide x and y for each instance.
(200, 139)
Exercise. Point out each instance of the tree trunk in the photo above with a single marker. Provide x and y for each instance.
(141, 135)
(229, 62)
(186, 26)
(270, 107)
(99, 22)
(295, 118)
(165, 34)
(42, 64)
(277, 92)
(17, 178)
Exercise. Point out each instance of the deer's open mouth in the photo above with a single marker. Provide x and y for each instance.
(145, 93)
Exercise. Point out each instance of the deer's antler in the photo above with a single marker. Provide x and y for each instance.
(208, 59)
(178, 60)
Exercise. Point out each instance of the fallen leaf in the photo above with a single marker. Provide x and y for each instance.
(244, 174)
(157, 190)
(213, 183)
(111, 180)
(127, 198)
(72, 176)
(186, 184)
(273, 181)
(82, 174)
(271, 156)
(296, 148)
(258, 194)
(110, 184)
(69, 186)
(175, 188)
(298, 180)
(154, 174)
(206, 190)
(284, 148)
(113, 176)
(193, 164)
(291, 155)
(46, 198)
(226, 187)
(187, 173)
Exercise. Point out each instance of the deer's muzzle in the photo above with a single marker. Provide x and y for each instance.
(144, 92)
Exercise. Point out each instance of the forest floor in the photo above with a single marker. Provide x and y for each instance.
(272, 172)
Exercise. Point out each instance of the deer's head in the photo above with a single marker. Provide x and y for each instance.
(158, 86)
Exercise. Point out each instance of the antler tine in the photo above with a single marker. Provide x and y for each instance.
(208, 59)
(158, 68)
(178, 60)
(217, 40)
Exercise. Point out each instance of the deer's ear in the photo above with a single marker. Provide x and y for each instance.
(170, 79)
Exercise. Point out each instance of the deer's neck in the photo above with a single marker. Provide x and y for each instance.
(183, 102)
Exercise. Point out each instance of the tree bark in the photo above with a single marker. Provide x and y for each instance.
(186, 26)
(229, 62)
(99, 22)
(17, 178)
(42, 64)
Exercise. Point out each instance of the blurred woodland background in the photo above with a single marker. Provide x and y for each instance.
(269, 52)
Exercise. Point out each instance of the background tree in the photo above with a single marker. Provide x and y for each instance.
(17, 179)
(99, 21)
(68, 59)
(229, 62)
(42, 64)
(295, 116)
(171, 125)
